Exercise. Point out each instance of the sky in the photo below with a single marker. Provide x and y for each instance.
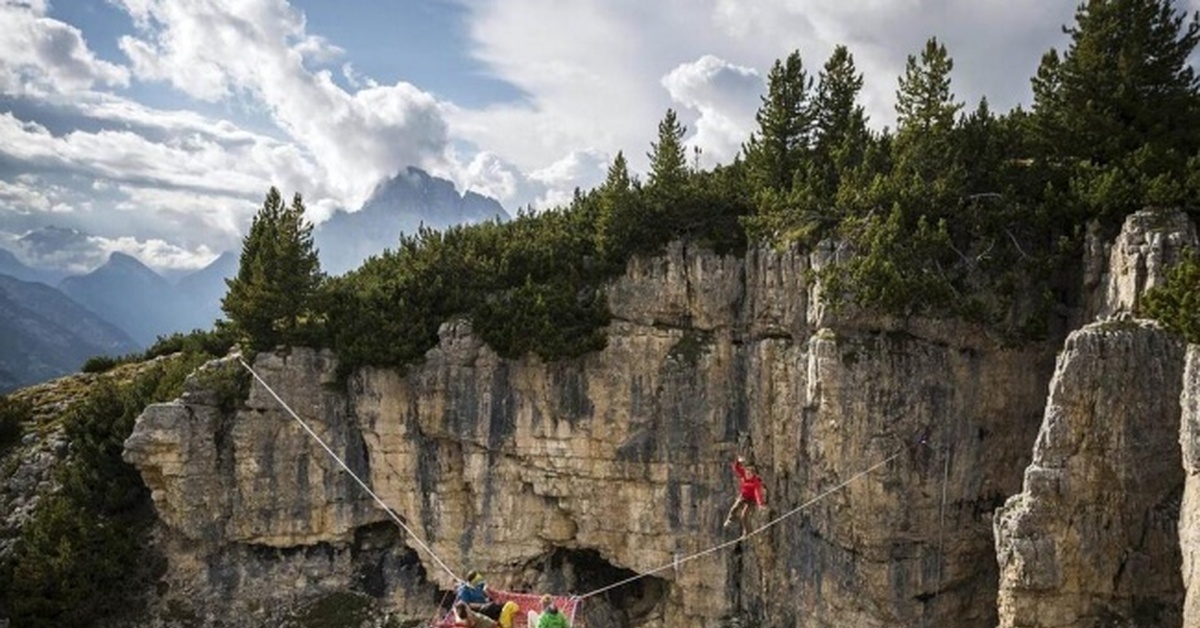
(155, 127)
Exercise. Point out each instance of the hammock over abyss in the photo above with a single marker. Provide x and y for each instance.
(567, 605)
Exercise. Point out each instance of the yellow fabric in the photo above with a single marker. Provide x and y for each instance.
(508, 613)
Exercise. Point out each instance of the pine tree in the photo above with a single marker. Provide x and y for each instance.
(270, 300)
(836, 112)
(775, 152)
(840, 125)
(1123, 83)
(616, 219)
(926, 162)
(925, 105)
(668, 160)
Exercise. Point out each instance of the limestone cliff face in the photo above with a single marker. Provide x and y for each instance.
(255, 521)
(890, 445)
(1189, 521)
(1092, 539)
(573, 475)
(1149, 243)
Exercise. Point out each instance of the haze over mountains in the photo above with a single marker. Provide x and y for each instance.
(399, 205)
(44, 334)
(123, 305)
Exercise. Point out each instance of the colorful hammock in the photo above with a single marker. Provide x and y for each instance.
(567, 605)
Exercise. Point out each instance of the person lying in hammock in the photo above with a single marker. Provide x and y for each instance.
(750, 494)
(472, 591)
(550, 617)
(464, 617)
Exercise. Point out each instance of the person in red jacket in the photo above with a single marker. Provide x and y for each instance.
(750, 494)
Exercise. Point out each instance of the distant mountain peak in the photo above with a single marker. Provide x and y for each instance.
(125, 264)
(399, 204)
(117, 257)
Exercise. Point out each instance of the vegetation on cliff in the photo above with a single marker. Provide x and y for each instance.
(80, 560)
(957, 212)
(1177, 303)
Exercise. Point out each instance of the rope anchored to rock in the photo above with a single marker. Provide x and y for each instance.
(391, 513)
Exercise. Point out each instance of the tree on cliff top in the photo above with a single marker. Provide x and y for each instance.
(668, 163)
(1121, 108)
(785, 121)
(270, 300)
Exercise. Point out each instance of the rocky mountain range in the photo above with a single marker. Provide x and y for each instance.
(44, 334)
(918, 471)
(145, 305)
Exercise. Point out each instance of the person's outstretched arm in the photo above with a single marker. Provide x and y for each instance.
(738, 469)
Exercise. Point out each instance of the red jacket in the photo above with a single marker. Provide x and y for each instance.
(752, 488)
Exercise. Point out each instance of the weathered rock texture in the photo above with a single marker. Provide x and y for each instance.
(887, 444)
(1149, 243)
(571, 476)
(256, 522)
(1092, 539)
(1189, 522)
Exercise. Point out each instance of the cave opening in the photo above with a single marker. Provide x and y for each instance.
(581, 571)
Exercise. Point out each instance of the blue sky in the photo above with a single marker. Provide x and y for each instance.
(156, 126)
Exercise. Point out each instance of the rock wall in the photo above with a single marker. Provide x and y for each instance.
(255, 521)
(1149, 243)
(1092, 539)
(573, 475)
(1189, 521)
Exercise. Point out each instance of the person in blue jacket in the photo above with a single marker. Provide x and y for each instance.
(472, 591)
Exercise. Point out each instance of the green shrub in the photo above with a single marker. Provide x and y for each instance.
(13, 413)
(215, 343)
(100, 364)
(230, 381)
(1176, 303)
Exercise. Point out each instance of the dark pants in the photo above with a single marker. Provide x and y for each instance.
(491, 610)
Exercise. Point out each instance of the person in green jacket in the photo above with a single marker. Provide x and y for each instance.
(550, 616)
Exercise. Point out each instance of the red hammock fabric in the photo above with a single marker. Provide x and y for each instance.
(527, 602)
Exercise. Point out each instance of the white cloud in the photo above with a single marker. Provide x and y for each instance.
(591, 70)
(489, 175)
(195, 218)
(355, 79)
(157, 253)
(579, 169)
(39, 54)
(726, 97)
(188, 161)
(25, 195)
(594, 70)
(356, 139)
(83, 254)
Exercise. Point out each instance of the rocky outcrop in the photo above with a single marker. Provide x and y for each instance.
(1092, 539)
(888, 447)
(256, 522)
(1189, 521)
(1149, 243)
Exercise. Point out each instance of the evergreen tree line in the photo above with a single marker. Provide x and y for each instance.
(956, 212)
